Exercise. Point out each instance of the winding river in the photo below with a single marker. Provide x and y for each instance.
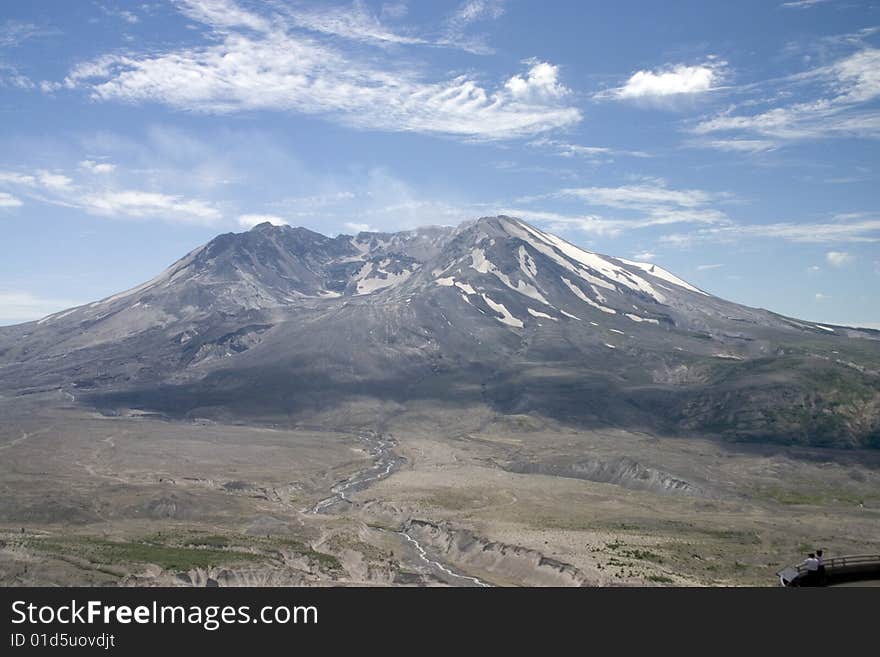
(385, 462)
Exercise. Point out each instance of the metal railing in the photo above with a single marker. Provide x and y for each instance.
(839, 564)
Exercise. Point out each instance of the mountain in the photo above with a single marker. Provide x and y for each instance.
(285, 325)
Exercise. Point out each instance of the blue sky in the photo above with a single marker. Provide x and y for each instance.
(735, 143)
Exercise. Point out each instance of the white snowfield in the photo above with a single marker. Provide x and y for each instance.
(569, 256)
(612, 272)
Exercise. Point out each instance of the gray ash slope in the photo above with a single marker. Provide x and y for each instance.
(279, 323)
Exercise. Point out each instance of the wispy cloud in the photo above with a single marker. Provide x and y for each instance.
(650, 204)
(570, 150)
(456, 28)
(258, 63)
(20, 306)
(842, 229)
(13, 33)
(57, 188)
(709, 267)
(123, 14)
(356, 22)
(841, 108)
(640, 196)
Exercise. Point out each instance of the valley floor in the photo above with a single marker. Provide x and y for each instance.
(423, 498)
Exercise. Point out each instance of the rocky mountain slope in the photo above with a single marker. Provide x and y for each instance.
(282, 324)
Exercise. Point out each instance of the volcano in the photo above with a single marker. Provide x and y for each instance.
(283, 325)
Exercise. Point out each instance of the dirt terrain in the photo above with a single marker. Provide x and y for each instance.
(485, 500)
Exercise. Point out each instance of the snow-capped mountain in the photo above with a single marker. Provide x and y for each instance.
(279, 321)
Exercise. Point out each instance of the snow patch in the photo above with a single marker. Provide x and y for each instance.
(535, 313)
(583, 297)
(367, 284)
(661, 273)
(484, 266)
(636, 318)
(526, 263)
(507, 318)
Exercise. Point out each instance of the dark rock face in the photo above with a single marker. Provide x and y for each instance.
(282, 322)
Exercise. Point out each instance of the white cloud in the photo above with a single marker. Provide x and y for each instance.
(11, 77)
(708, 267)
(651, 204)
(278, 70)
(251, 220)
(838, 258)
(53, 181)
(15, 178)
(740, 145)
(802, 4)
(854, 229)
(9, 201)
(59, 189)
(356, 22)
(359, 228)
(97, 167)
(19, 306)
(540, 83)
(567, 149)
(644, 255)
(140, 204)
(848, 85)
(822, 297)
(223, 14)
(678, 80)
(639, 196)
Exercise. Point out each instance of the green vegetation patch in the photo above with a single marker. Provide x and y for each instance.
(168, 557)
